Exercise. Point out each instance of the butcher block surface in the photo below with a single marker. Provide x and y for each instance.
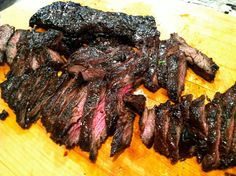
(31, 152)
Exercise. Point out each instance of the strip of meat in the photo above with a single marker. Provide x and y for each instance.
(212, 159)
(91, 104)
(151, 75)
(187, 144)
(55, 105)
(162, 64)
(135, 102)
(147, 126)
(176, 72)
(12, 49)
(88, 20)
(174, 132)
(123, 133)
(6, 31)
(161, 129)
(73, 134)
(99, 133)
(228, 105)
(197, 117)
(199, 62)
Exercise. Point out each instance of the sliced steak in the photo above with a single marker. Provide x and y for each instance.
(161, 129)
(197, 118)
(57, 104)
(212, 158)
(92, 21)
(72, 137)
(199, 62)
(123, 133)
(12, 48)
(6, 31)
(91, 104)
(32, 60)
(162, 65)
(174, 132)
(187, 144)
(228, 105)
(147, 126)
(151, 76)
(135, 102)
(176, 72)
(99, 129)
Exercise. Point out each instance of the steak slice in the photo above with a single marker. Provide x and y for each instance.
(161, 129)
(162, 64)
(135, 102)
(92, 21)
(6, 31)
(91, 104)
(123, 133)
(187, 144)
(27, 60)
(199, 62)
(176, 72)
(147, 126)
(197, 118)
(57, 104)
(72, 136)
(151, 76)
(228, 105)
(174, 132)
(99, 129)
(212, 158)
(198, 125)
(12, 49)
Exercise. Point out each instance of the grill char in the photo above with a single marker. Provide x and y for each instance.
(88, 20)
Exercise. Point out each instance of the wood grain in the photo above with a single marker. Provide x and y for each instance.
(31, 152)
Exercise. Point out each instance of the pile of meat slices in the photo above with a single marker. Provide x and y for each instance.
(79, 74)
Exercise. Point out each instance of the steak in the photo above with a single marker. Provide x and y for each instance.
(176, 72)
(6, 31)
(199, 62)
(174, 132)
(147, 126)
(197, 117)
(75, 20)
(161, 129)
(135, 102)
(228, 105)
(79, 74)
(151, 76)
(212, 159)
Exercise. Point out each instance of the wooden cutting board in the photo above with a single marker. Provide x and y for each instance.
(31, 152)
